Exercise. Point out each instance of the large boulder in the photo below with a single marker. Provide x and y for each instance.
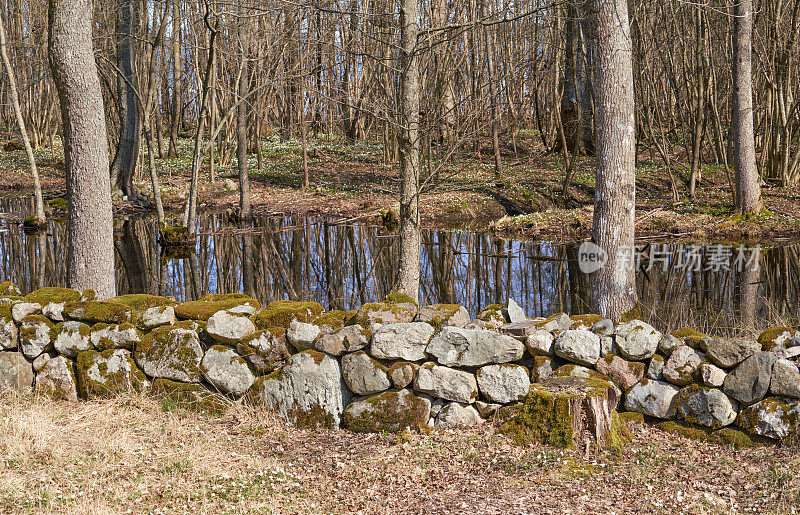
(514, 312)
(22, 310)
(706, 406)
(682, 366)
(9, 334)
(728, 352)
(108, 373)
(158, 316)
(308, 391)
(653, 398)
(443, 315)
(364, 375)
(35, 335)
(785, 379)
(579, 346)
(171, 352)
(227, 370)
(15, 372)
(57, 380)
(390, 411)
(473, 347)
(446, 383)
(503, 383)
(637, 340)
(406, 341)
(749, 382)
(623, 373)
(229, 327)
(457, 415)
(347, 339)
(540, 343)
(264, 350)
(115, 336)
(301, 335)
(72, 338)
(772, 417)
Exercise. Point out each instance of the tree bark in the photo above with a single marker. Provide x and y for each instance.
(408, 282)
(614, 285)
(748, 189)
(576, 101)
(90, 248)
(245, 211)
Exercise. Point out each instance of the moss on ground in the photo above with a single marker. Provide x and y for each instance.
(686, 430)
(734, 437)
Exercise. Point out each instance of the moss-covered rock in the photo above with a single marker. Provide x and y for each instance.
(192, 397)
(391, 411)
(375, 314)
(706, 406)
(157, 316)
(442, 315)
(227, 370)
(7, 288)
(9, 333)
(330, 321)
(47, 296)
(735, 438)
(203, 309)
(492, 317)
(171, 352)
(401, 298)
(35, 335)
(585, 321)
(364, 375)
(775, 338)
(281, 313)
(690, 337)
(140, 302)
(175, 236)
(264, 350)
(108, 373)
(94, 312)
(773, 417)
(70, 338)
(57, 380)
(117, 336)
(58, 204)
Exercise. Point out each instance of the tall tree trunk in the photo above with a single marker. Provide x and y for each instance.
(127, 156)
(408, 282)
(748, 189)
(90, 249)
(245, 210)
(614, 286)
(12, 85)
(177, 80)
(576, 101)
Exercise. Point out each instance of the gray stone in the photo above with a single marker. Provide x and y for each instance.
(35, 336)
(540, 343)
(579, 346)
(706, 406)
(227, 370)
(557, 322)
(171, 352)
(301, 335)
(15, 372)
(682, 366)
(443, 315)
(21, 310)
(749, 381)
(487, 409)
(436, 405)
(230, 328)
(622, 373)
(307, 392)
(712, 375)
(41, 361)
(543, 367)
(522, 328)
(457, 415)
(72, 338)
(604, 327)
(653, 398)
(108, 373)
(637, 340)
(406, 341)
(390, 411)
(376, 314)
(446, 383)
(656, 368)
(771, 417)
(473, 348)
(403, 373)
(785, 379)
(503, 383)
(9, 334)
(728, 352)
(514, 312)
(347, 339)
(607, 345)
(158, 316)
(57, 380)
(121, 336)
(668, 343)
(54, 311)
(364, 375)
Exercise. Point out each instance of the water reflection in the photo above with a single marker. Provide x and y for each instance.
(343, 266)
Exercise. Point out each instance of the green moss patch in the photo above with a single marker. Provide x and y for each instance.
(108, 374)
(99, 311)
(333, 319)
(203, 309)
(172, 236)
(400, 298)
(9, 288)
(281, 313)
(585, 320)
(768, 338)
(391, 411)
(47, 296)
(690, 337)
(686, 430)
(734, 437)
(143, 302)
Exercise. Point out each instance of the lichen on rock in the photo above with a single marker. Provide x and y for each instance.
(108, 373)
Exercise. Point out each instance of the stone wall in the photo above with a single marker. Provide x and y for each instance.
(389, 365)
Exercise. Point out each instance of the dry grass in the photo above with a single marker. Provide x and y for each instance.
(132, 454)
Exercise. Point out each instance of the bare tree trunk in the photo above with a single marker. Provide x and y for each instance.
(408, 282)
(614, 286)
(748, 189)
(127, 156)
(177, 80)
(90, 250)
(245, 210)
(12, 85)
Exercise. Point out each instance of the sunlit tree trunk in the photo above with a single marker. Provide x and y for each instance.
(613, 286)
(90, 250)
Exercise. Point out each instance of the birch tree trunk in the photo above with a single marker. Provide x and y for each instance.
(748, 189)
(408, 282)
(90, 249)
(614, 285)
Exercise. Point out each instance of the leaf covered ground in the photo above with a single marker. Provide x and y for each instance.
(139, 455)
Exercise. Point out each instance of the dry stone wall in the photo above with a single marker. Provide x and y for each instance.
(388, 365)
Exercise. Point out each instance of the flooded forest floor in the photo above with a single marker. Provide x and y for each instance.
(352, 181)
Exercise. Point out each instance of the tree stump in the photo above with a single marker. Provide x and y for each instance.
(568, 412)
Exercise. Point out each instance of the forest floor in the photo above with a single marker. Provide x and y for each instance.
(351, 181)
(137, 455)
